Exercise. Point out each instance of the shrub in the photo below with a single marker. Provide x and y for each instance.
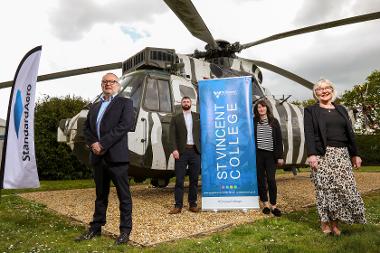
(369, 149)
(55, 161)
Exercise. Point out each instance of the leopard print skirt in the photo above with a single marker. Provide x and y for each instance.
(337, 197)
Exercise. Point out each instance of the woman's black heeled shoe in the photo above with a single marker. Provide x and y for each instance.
(276, 212)
(266, 210)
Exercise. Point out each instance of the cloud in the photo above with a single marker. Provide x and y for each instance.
(71, 19)
(346, 58)
(313, 12)
(346, 55)
(362, 6)
(133, 33)
(342, 65)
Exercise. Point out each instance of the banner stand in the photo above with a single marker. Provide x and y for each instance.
(229, 180)
(18, 168)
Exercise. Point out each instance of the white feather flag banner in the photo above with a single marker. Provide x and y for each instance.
(18, 164)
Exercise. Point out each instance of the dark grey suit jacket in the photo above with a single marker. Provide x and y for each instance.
(178, 132)
(315, 131)
(114, 127)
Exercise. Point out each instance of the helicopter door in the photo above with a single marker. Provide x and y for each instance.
(158, 103)
(133, 89)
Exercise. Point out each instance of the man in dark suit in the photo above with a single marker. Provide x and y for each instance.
(185, 146)
(106, 131)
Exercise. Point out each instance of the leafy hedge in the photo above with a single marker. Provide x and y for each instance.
(369, 149)
(55, 161)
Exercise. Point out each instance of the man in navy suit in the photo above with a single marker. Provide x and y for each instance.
(106, 132)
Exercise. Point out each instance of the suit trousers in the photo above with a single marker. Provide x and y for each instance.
(266, 172)
(192, 159)
(104, 172)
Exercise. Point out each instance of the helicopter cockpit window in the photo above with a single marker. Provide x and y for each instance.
(164, 94)
(256, 89)
(132, 88)
(131, 84)
(187, 91)
(157, 95)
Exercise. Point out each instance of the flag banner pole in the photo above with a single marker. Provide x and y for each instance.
(2, 131)
(228, 148)
(18, 164)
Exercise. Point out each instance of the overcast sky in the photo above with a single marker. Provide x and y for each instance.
(81, 33)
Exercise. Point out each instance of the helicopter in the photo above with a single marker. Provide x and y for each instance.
(157, 78)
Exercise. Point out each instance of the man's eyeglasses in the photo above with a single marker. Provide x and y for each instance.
(112, 82)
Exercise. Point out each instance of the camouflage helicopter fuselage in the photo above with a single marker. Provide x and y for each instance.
(156, 96)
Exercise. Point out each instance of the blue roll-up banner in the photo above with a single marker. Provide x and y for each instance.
(228, 148)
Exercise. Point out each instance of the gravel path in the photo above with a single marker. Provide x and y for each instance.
(152, 223)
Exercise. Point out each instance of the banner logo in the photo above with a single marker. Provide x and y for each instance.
(17, 112)
(218, 93)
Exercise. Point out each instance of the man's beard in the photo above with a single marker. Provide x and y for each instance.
(186, 107)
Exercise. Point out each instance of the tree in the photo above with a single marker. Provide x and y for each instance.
(304, 103)
(55, 160)
(364, 100)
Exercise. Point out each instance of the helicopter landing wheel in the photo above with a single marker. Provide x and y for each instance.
(139, 179)
(159, 182)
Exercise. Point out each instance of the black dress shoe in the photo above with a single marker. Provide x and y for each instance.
(194, 209)
(175, 210)
(88, 235)
(123, 238)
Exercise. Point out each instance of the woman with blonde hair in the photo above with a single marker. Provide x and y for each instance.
(332, 152)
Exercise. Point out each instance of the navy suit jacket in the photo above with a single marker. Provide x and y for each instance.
(315, 130)
(114, 127)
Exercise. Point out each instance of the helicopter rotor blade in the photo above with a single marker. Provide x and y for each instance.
(188, 14)
(282, 72)
(314, 28)
(68, 73)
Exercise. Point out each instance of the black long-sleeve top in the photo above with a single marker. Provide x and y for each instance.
(315, 126)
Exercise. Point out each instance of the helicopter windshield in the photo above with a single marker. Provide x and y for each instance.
(132, 88)
(132, 85)
(157, 95)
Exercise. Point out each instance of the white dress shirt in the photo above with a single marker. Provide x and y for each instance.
(189, 127)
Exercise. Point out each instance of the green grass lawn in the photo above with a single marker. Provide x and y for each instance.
(362, 169)
(56, 185)
(369, 169)
(29, 227)
(89, 183)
